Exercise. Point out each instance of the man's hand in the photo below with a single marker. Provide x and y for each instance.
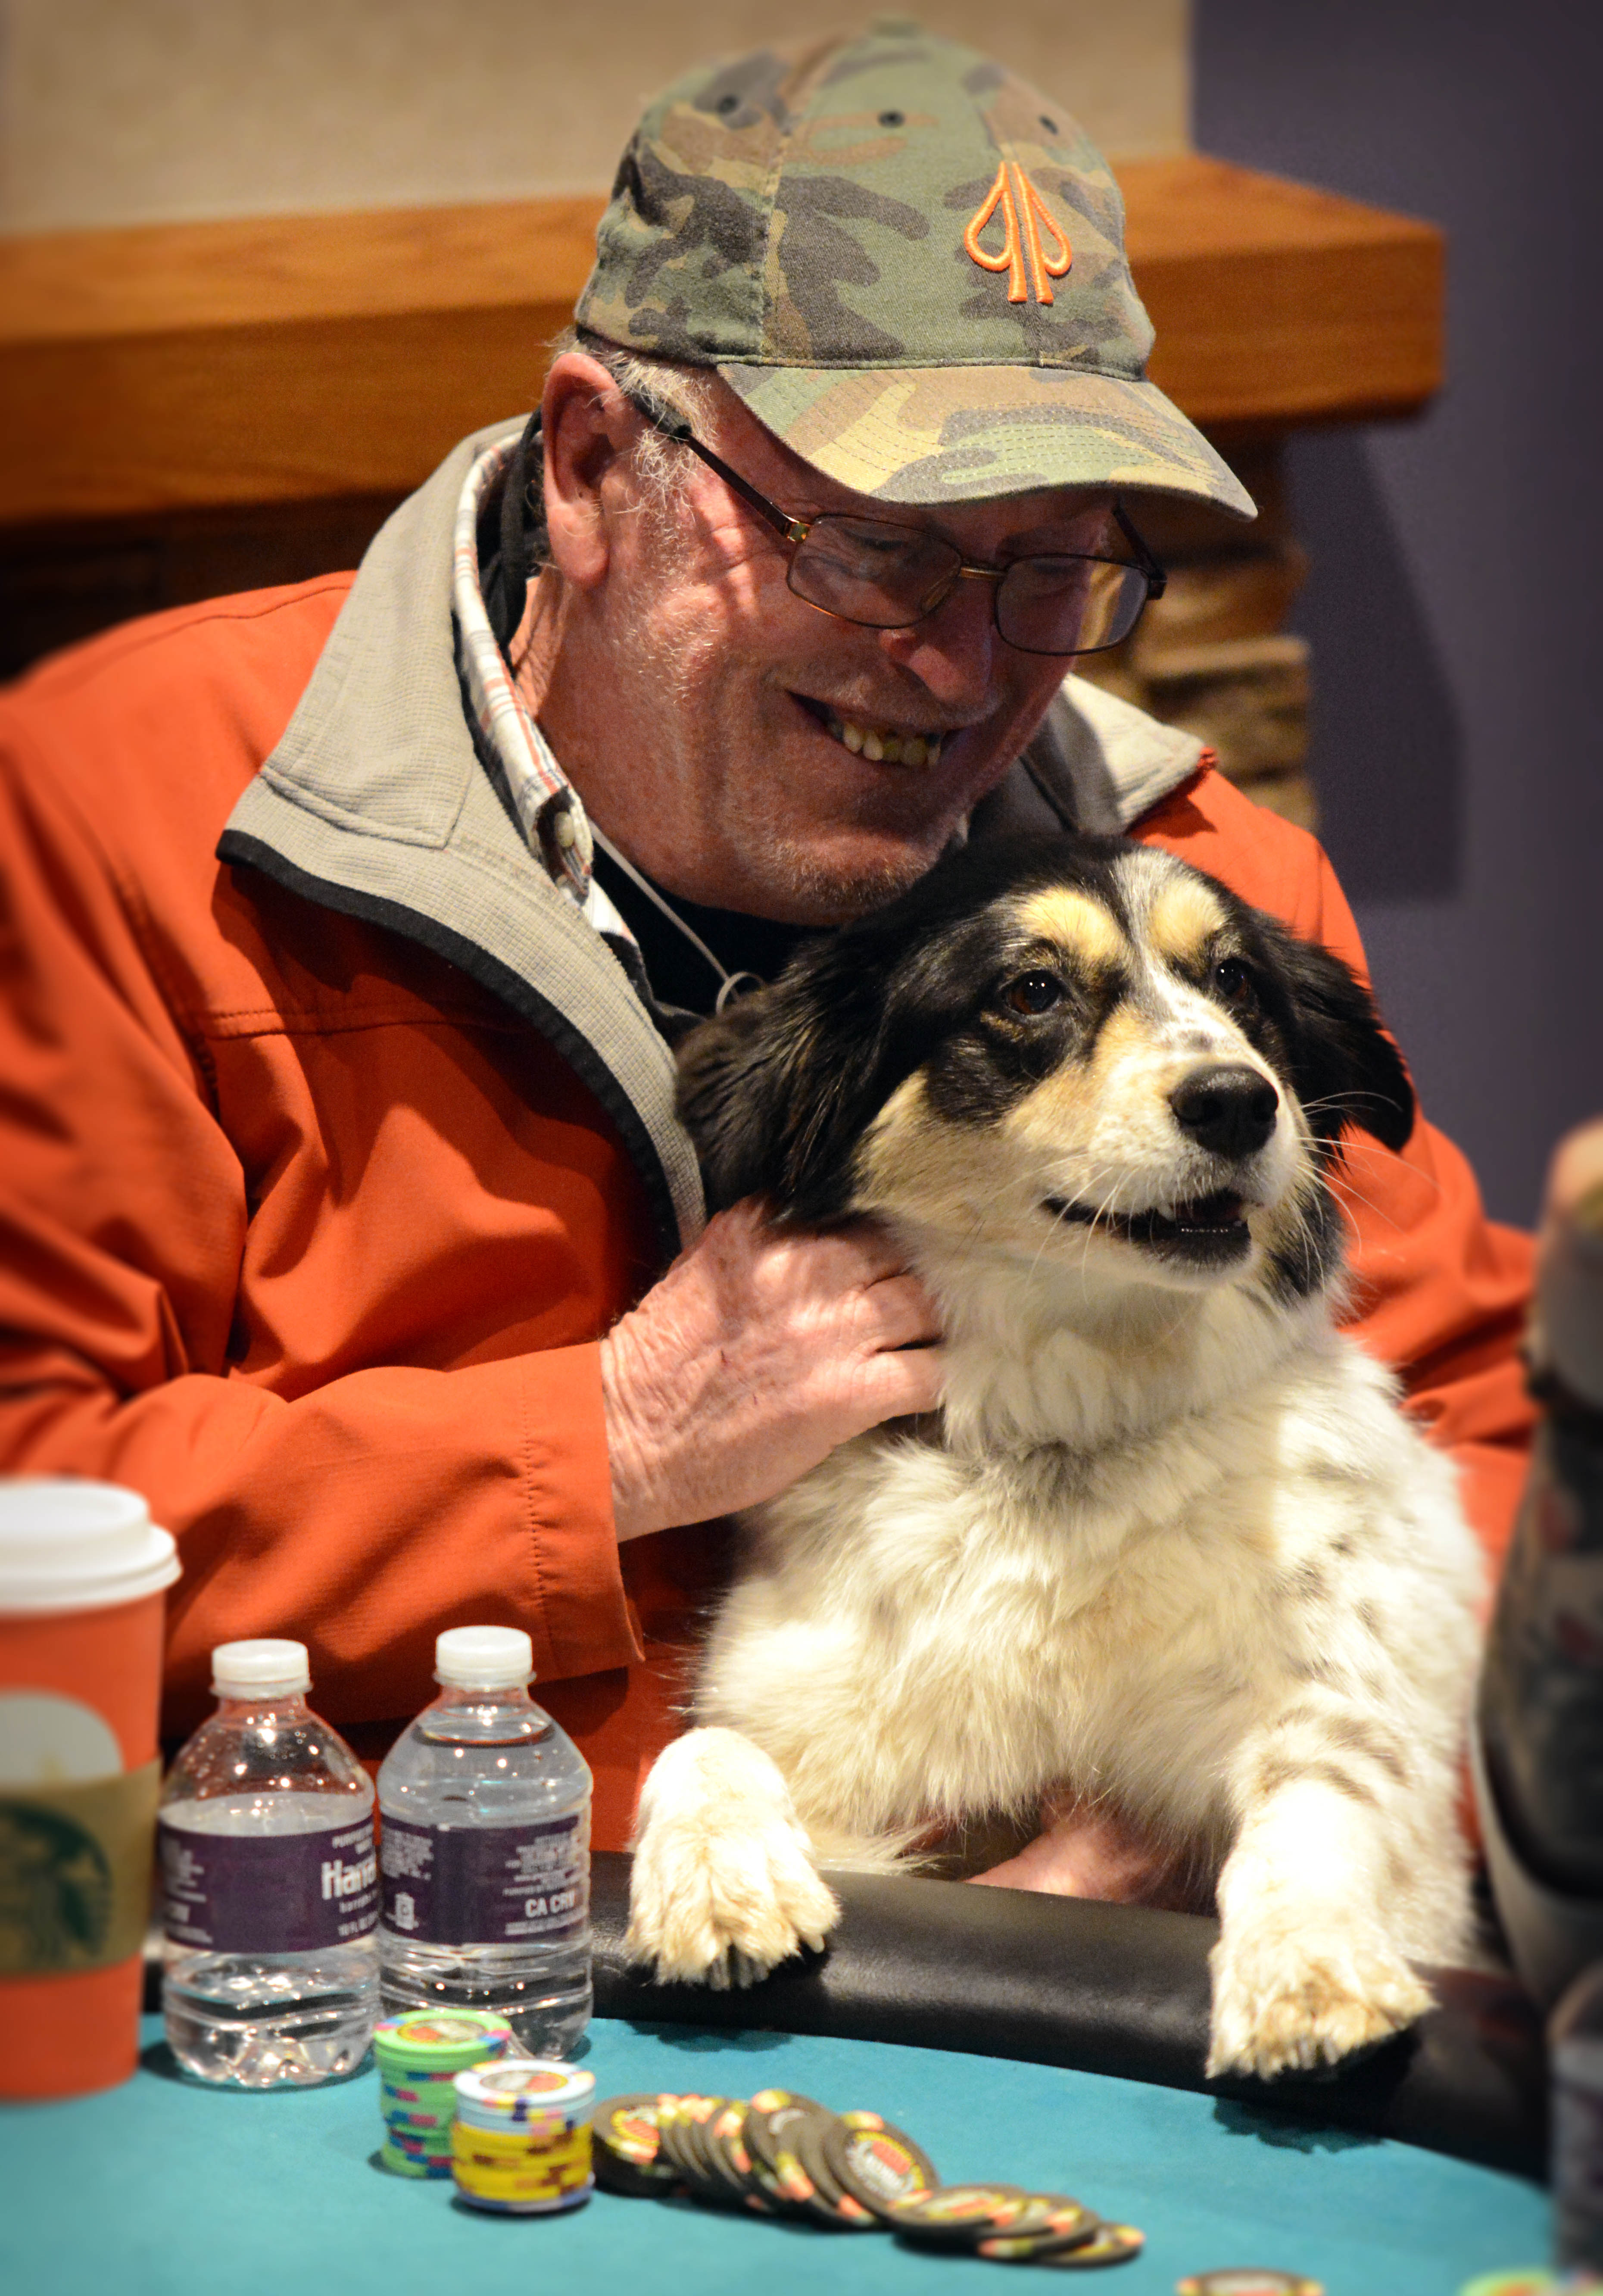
(753, 1359)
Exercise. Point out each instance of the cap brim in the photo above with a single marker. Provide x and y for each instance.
(972, 434)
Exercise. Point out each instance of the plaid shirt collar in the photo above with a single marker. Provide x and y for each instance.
(549, 809)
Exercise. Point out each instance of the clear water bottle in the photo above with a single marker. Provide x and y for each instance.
(485, 1850)
(270, 1883)
(1575, 2060)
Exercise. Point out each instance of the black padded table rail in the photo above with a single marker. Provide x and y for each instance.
(1102, 1989)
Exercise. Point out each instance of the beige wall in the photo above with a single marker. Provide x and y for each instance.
(148, 111)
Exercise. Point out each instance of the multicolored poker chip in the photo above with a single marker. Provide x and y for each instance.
(682, 2120)
(439, 2041)
(878, 2165)
(1049, 2222)
(1110, 2244)
(830, 2203)
(723, 2141)
(1248, 2280)
(773, 2128)
(785, 2154)
(628, 2150)
(1531, 2280)
(516, 2089)
(957, 2216)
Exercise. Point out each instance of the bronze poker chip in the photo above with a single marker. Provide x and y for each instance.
(627, 2145)
(1049, 2221)
(960, 2216)
(682, 2121)
(1110, 2244)
(1248, 2280)
(723, 2140)
(878, 2165)
(832, 2203)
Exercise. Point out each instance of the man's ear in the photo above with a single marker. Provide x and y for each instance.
(1346, 1070)
(587, 425)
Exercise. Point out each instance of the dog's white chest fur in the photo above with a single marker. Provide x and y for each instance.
(921, 1632)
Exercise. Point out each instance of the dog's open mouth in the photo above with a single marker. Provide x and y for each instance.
(1209, 1227)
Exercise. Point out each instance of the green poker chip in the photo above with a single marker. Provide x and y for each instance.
(429, 2042)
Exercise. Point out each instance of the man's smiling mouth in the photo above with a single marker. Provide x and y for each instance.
(880, 744)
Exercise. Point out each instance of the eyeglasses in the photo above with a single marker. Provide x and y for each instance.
(887, 577)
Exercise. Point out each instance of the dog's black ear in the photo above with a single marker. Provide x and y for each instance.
(1345, 1068)
(775, 1091)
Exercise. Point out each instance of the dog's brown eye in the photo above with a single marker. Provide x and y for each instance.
(1032, 993)
(1232, 981)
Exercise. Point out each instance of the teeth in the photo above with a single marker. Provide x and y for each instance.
(882, 747)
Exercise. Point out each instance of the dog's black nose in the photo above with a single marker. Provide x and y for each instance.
(1231, 1110)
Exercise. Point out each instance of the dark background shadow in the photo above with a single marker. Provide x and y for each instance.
(1388, 744)
(1451, 608)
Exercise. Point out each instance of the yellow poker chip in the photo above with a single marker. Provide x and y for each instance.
(1248, 2280)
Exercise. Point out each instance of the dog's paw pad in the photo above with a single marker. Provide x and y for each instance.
(722, 1908)
(1293, 2008)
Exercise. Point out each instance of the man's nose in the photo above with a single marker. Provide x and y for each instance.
(952, 651)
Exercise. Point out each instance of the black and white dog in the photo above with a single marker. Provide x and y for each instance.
(1171, 1552)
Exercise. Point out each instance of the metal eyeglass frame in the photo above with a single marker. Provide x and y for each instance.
(794, 532)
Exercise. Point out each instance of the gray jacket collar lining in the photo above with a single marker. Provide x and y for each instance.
(375, 802)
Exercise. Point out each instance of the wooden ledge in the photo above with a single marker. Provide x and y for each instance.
(303, 357)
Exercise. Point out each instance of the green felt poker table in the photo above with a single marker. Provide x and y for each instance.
(1044, 2042)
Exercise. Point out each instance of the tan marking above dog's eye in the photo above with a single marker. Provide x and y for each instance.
(1071, 920)
(1032, 994)
(1183, 918)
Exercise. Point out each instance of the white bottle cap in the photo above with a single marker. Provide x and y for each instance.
(69, 1545)
(484, 1658)
(256, 1669)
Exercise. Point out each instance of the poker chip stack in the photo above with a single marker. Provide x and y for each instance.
(784, 2155)
(420, 2055)
(520, 2143)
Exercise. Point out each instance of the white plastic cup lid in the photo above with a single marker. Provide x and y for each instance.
(67, 1544)
(250, 1670)
(484, 1658)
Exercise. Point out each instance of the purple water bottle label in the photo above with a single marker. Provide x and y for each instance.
(268, 1893)
(486, 1885)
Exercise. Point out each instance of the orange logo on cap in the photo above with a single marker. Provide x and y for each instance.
(1021, 205)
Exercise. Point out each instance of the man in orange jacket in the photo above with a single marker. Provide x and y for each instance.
(346, 928)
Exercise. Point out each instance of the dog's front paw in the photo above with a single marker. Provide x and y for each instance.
(718, 1905)
(1288, 1996)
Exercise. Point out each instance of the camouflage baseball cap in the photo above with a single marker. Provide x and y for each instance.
(909, 264)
